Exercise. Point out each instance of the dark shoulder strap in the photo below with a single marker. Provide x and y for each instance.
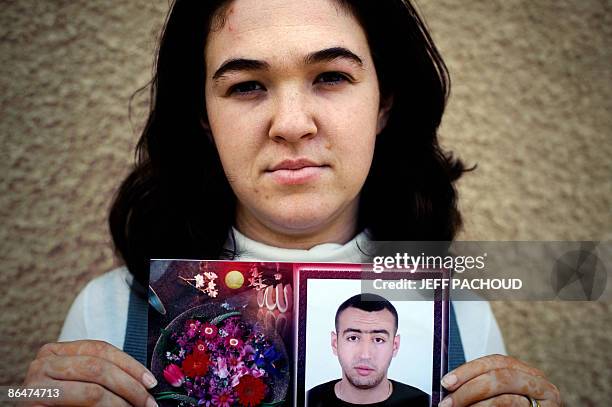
(456, 354)
(135, 343)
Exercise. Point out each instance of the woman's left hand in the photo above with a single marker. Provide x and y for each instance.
(498, 380)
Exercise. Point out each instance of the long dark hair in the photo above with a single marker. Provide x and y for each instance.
(177, 203)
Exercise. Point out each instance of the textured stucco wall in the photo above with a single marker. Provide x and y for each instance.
(530, 104)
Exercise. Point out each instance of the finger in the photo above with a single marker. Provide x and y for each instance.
(77, 394)
(91, 369)
(501, 381)
(505, 400)
(103, 350)
(470, 370)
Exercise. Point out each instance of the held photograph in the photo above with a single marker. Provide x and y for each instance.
(357, 346)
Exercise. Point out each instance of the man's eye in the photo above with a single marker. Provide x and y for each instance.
(332, 78)
(352, 338)
(379, 340)
(246, 88)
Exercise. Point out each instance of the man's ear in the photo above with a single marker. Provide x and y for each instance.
(334, 343)
(384, 111)
(396, 344)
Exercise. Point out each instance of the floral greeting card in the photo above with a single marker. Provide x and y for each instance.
(221, 333)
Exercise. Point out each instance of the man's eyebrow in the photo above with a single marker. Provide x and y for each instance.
(373, 331)
(324, 55)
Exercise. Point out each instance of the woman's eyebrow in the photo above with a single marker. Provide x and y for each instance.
(331, 54)
(324, 55)
(240, 64)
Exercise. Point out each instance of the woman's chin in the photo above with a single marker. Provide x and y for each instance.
(301, 223)
(309, 225)
(302, 219)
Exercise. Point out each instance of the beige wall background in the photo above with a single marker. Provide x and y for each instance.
(530, 104)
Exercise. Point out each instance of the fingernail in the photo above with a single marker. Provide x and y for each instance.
(151, 402)
(447, 402)
(449, 380)
(149, 380)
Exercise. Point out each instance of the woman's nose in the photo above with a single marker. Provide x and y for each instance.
(292, 118)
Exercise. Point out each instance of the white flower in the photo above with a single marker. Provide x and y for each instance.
(210, 275)
(199, 281)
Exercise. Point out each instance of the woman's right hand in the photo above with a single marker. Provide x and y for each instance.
(90, 373)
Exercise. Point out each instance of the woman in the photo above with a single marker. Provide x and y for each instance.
(289, 126)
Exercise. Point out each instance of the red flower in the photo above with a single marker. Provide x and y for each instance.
(196, 364)
(251, 391)
(209, 330)
(200, 347)
(173, 375)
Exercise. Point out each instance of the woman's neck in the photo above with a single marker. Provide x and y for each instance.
(338, 231)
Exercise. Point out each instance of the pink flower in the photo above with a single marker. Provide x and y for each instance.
(209, 330)
(247, 351)
(193, 327)
(174, 375)
(235, 363)
(222, 371)
(257, 372)
(223, 399)
(233, 342)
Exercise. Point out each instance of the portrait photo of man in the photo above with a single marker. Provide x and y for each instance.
(365, 341)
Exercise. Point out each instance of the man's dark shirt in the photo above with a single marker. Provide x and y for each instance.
(403, 395)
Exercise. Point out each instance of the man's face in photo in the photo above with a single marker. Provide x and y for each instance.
(365, 342)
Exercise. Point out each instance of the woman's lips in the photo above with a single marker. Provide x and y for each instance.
(293, 172)
(297, 176)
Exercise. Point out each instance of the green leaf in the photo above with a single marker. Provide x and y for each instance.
(277, 403)
(179, 397)
(220, 318)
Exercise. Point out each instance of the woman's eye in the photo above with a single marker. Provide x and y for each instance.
(331, 78)
(246, 88)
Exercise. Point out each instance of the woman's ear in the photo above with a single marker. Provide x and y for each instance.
(386, 103)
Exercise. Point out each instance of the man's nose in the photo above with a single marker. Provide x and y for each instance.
(292, 117)
(365, 350)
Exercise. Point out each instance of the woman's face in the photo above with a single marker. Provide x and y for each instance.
(293, 105)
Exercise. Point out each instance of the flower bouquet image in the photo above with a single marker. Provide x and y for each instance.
(213, 355)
